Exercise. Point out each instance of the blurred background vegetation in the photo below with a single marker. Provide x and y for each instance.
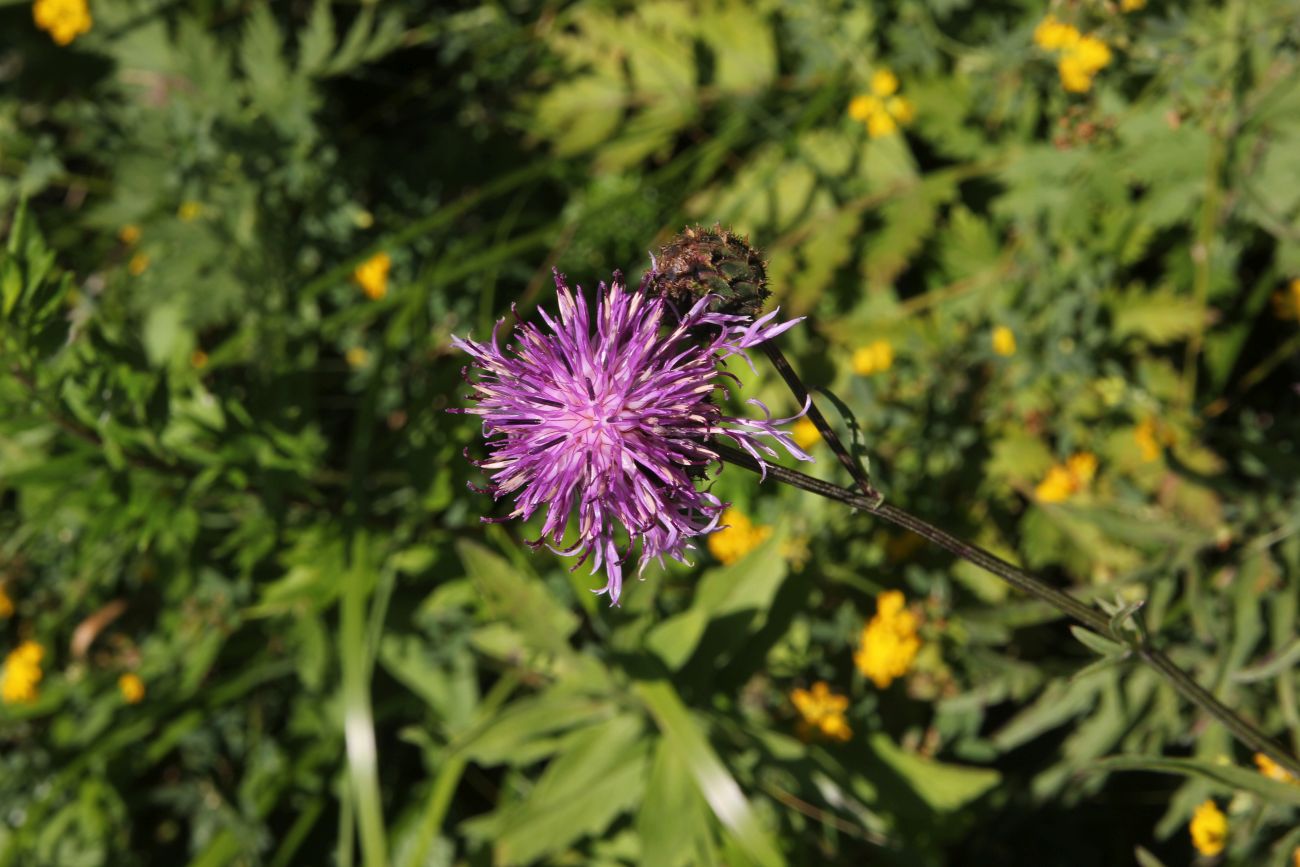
(1050, 256)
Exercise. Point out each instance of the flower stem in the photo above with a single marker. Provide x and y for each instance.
(856, 470)
(1094, 620)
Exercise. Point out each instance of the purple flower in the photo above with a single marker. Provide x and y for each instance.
(615, 423)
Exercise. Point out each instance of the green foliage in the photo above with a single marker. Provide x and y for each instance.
(227, 470)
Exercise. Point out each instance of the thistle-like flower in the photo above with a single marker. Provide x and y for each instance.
(615, 422)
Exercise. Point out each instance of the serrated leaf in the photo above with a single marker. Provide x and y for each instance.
(1158, 317)
(519, 599)
(317, 40)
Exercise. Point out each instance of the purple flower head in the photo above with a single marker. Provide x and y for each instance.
(613, 420)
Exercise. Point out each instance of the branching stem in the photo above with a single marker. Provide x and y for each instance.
(1139, 644)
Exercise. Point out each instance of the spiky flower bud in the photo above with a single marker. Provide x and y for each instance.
(702, 261)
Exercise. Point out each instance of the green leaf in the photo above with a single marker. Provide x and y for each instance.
(317, 40)
(601, 775)
(673, 817)
(524, 731)
(740, 593)
(1225, 778)
(1096, 643)
(521, 600)
(1159, 317)
(715, 783)
(946, 788)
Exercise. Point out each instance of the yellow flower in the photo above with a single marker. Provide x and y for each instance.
(805, 433)
(1151, 438)
(1004, 340)
(901, 109)
(1084, 467)
(889, 641)
(357, 356)
(372, 275)
(875, 357)
(881, 110)
(1093, 54)
(884, 83)
(138, 265)
(862, 107)
(1052, 34)
(22, 674)
(823, 710)
(1131, 5)
(1273, 770)
(189, 211)
(1073, 77)
(1295, 856)
(1065, 480)
(881, 124)
(131, 687)
(129, 234)
(198, 359)
(738, 538)
(1286, 302)
(6, 604)
(1056, 486)
(64, 20)
(1081, 61)
(1209, 829)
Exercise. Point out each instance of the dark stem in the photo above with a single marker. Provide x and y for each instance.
(1085, 614)
(856, 470)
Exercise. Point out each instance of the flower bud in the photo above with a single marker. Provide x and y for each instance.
(702, 261)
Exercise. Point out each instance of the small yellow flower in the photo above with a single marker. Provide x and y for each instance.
(372, 276)
(884, 83)
(357, 356)
(1056, 486)
(1084, 467)
(1151, 438)
(876, 357)
(881, 124)
(138, 265)
(1081, 61)
(822, 710)
(901, 109)
(1052, 34)
(1295, 856)
(129, 234)
(1286, 302)
(22, 674)
(862, 107)
(1273, 770)
(1209, 829)
(64, 20)
(189, 211)
(1065, 480)
(889, 641)
(1004, 341)
(882, 110)
(131, 687)
(6, 604)
(1131, 5)
(737, 538)
(198, 359)
(805, 433)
